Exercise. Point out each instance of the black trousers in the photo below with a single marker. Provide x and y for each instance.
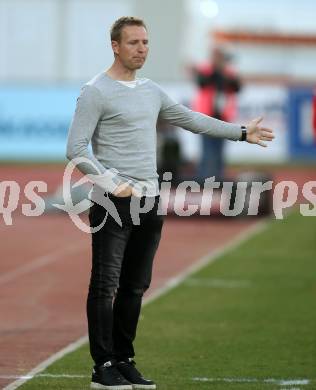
(122, 259)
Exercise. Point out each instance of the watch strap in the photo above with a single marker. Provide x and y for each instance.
(243, 133)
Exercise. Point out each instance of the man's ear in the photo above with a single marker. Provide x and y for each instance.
(115, 47)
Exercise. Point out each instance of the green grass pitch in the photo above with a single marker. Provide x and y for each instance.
(251, 315)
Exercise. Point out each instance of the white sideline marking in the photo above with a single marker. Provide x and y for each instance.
(280, 382)
(39, 262)
(169, 285)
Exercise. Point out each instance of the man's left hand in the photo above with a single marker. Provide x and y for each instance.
(257, 134)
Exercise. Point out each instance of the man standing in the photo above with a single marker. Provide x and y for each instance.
(118, 112)
(216, 96)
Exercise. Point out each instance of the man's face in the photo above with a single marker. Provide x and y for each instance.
(132, 50)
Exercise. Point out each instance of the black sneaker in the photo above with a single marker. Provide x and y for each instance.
(109, 377)
(128, 370)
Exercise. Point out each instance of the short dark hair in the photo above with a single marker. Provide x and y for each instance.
(120, 23)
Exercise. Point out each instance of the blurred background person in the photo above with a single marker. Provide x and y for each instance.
(218, 84)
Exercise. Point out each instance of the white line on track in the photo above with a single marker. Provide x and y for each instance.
(39, 262)
(169, 285)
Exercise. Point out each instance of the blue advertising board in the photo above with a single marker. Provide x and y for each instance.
(302, 142)
(34, 122)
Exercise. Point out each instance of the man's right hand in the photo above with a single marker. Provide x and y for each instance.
(123, 191)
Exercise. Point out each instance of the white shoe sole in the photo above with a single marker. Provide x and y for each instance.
(136, 387)
(99, 386)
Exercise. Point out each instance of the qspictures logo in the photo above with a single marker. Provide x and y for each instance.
(247, 197)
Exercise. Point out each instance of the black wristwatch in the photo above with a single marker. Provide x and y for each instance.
(243, 133)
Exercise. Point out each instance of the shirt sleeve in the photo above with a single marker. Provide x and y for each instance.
(89, 110)
(196, 122)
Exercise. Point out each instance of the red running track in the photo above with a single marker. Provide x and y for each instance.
(45, 266)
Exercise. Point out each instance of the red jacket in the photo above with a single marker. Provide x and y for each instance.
(204, 99)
